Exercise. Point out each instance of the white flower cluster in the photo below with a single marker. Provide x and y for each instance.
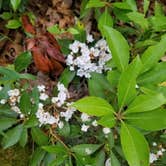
(43, 96)
(45, 117)
(62, 95)
(155, 156)
(87, 59)
(14, 99)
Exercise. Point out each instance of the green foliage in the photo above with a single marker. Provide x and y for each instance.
(118, 46)
(22, 61)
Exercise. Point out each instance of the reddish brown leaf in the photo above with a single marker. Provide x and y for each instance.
(27, 25)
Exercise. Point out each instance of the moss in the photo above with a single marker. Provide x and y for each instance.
(15, 156)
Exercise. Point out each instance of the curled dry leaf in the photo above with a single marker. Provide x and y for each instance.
(45, 50)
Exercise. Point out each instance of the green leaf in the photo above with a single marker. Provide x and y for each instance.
(146, 5)
(6, 123)
(37, 157)
(153, 54)
(158, 9)
(93, 106)
(139, 19)
(99, 159)
(39, 136)
(114, 160)
(105, 19)
(22, 61)
(134, 145)
(152, 120)
(99, 86)
(113, 77)
(132, 4)
(122, 5)
(118, 46)
(127, 83)
(12, 136)
(54, 29)
(95, 3)
(85, 149)
(107, 121)
(25, 103)
(31, 122)
(13, 24)
(57, 149)
(65, 131)
(66, 77)
(154, 76)
(23, 137)
(143, 103)
(15, 4)
(6, 15)
(158, 23)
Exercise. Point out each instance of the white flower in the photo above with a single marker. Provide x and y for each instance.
(85, 117)
(89, 38)
(84, 128)
(108, 162)
(74, 47)
(41, 88)
(94, 123)
(88, 151)
(106, 130)
(3, 101)
(43, 96)
(154, 144)
(16, 109)
(136, 86)
(14, 92)
(40, 105)
(1, 88)
(45, 117)
(152, 157)
(60, 124)
(163, 150)
(159, 153)
(68, 113)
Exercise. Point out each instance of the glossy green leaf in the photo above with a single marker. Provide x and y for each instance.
(154, 76)
(22, 61)
(99, 86)
(25, 103)
(113, 77)
(127, 82)
(39, 136)
(31, 122)
(93, 106)
(105, 19)
(15, 4)
(24, 137)
(57, 149)
(143, 103)
(134, 145)
(118, 46)
(37, 157)
(85, 149)
(13, 24)
(114, 160)
(139, 19)
(107, 121)
(66, 77)
(153, 54)
(12, 136)
(152, 120)
(6, 123)
(122, 5)
(95, 3)
(132, 4)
